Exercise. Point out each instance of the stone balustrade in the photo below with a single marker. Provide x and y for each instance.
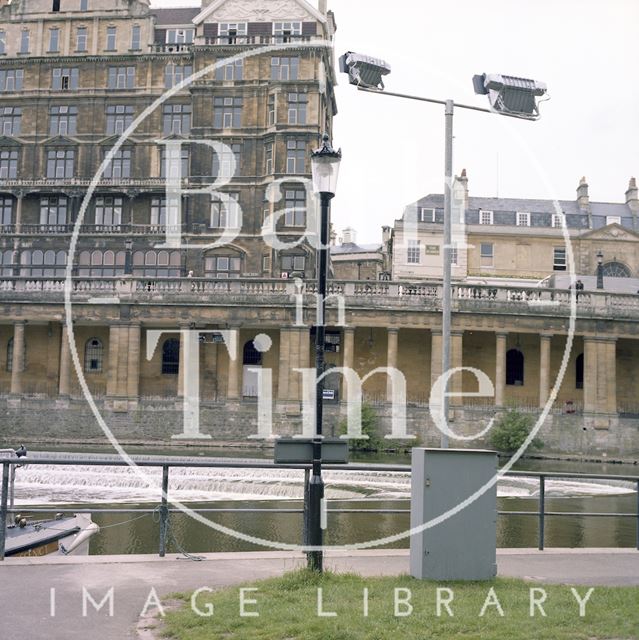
(427, 295)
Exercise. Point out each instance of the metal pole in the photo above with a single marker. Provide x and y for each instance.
(446, 293)
(12, 488)
(3, 507)
(542, 512)
(164, 510)
(637, 515)
(307, 482)
(316, 486)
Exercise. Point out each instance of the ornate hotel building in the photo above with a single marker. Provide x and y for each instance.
(75, 76)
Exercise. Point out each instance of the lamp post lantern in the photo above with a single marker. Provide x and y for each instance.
(600, 272)
(325, 163)
(509, 96)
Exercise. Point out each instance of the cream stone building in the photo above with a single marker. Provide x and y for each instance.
(74, 76)
(514, 240)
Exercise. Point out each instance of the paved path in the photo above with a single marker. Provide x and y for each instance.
(26, 584)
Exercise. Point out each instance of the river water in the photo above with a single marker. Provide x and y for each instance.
(271, 489)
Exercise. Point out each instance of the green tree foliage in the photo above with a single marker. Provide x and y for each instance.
(370, 428)
(511, 432)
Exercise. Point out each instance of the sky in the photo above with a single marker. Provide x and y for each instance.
(393, 150)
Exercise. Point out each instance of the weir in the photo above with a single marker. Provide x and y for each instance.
(56, 484)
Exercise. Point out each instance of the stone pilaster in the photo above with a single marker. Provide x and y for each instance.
(284, 365)
(114, 354)
(435, 357)
(391, 358)
(500, 368)
(64, 380)
(133, 368)
(600, 376)
(348, 358)
(17, 363)
(456, 361)
(544, 368)
(294, 377)
(235, 367)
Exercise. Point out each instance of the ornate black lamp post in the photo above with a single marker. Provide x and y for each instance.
(325, 165)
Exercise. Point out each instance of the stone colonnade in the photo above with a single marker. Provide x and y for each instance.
(125, 356)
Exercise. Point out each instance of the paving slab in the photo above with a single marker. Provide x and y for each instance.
(50, 598)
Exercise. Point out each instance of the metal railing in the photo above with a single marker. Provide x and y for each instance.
(166, 465)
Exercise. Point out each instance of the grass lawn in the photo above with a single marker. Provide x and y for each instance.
(288, 610)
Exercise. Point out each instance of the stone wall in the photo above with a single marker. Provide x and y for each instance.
(64, 421)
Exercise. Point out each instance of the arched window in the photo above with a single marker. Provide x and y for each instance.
(251, 354)
(515, 368)
(171, 357)
(10, 355)
(616, 270)
(37, 263)
(579, 372)
(101, 264)
(157, 264)
(93, 353)
(6, 263)
(223, 266)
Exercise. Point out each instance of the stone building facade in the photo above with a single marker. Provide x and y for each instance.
(81, 78)
(519, 239)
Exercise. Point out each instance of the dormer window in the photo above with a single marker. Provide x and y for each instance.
(558, 220)
(233, 32)
(425, 215)
(523, 219)
(286, 31)
(613, 220)
(180, 36)
(485, 217)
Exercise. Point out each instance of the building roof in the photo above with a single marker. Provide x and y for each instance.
(598, 211)
(177, 15)
(352, 248)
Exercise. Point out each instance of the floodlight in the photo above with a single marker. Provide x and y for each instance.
(364, 71)
(510, 95)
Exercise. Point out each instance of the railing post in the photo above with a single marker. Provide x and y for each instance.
(637, 515)
(3, 507)
(542, 511)
(164, 510)
(305, 531)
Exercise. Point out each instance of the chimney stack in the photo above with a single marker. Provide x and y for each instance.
(463, 181)
(632, 195)
(583, 199)
(349, 236)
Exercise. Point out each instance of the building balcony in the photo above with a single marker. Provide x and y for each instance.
(92, 229)
(231, 41)
(84, 183)
(171, 48)
(426, 297)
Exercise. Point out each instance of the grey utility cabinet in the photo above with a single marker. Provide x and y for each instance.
(464, 546)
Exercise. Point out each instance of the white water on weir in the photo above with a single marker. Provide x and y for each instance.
(54, 484)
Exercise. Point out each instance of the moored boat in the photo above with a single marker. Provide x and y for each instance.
(62, 535)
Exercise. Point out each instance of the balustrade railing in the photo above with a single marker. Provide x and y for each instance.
(425, 295)
(235, 40)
